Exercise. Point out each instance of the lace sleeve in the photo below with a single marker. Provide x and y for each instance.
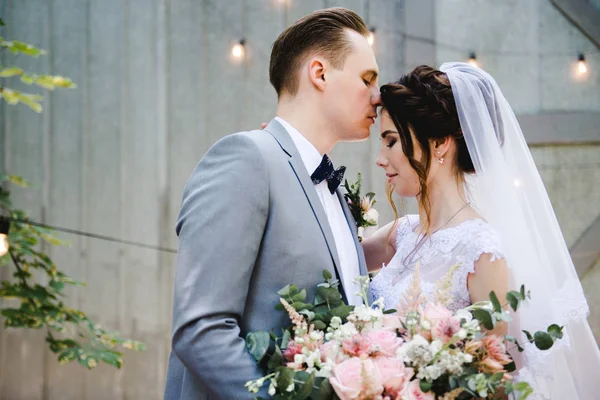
(483, 240)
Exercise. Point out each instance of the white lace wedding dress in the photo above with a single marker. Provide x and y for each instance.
(463, 243)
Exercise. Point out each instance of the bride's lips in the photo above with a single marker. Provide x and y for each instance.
(372, 118)
(390, 177)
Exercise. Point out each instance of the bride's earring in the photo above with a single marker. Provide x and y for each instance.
(441, 160)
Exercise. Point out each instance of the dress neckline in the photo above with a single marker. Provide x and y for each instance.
(411, 228)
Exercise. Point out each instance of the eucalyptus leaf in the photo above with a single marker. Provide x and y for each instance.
(257, 344)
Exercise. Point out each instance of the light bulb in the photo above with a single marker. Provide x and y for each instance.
(473, 60)
(581, 65)
(3, 244)
(371, 37)
(238, 50)
(517, 183)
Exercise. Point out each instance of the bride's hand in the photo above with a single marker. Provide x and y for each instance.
(263, 125)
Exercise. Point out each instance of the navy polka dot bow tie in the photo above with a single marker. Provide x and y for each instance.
(325, 171)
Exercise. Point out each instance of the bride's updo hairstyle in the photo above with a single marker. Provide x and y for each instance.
(422, 102)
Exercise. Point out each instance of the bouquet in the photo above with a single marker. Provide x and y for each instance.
(422, 351)
(362, 210)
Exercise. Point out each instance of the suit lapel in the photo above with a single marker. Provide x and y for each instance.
(297, 165)
(362, 264)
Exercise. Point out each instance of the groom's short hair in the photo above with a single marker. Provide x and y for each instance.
(322, 31)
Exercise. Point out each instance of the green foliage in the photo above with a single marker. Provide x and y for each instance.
(70, 333)
(48, 82)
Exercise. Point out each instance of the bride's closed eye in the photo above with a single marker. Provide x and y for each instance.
(390, 143)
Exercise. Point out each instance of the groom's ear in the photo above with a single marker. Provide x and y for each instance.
(316, 71)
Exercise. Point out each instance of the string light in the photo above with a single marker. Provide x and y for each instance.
(238, 50)
(473, 60)
(4, 228)
(371, 37)
(581, 65)
(5, 224)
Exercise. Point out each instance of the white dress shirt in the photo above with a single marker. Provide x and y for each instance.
(344, 241)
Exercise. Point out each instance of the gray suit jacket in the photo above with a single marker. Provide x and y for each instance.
(251, 222)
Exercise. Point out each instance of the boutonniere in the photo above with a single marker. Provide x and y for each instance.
(365, 216)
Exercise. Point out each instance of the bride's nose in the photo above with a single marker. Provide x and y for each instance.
(381, 161)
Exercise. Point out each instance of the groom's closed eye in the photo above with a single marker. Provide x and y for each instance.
(370, 77)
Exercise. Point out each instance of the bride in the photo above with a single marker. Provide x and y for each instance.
(450, 139)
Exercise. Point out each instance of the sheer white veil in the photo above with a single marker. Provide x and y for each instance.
(508, 192)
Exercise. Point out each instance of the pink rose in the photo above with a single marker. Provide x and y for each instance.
(385, 341)
(434, 312)
(392, 323)
(356, 346)
(356, 378)
(292, 349)
(445, 329)
(414, 392)
(331, 350)
(394, 375)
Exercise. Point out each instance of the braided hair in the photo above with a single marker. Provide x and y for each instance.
(422, 102)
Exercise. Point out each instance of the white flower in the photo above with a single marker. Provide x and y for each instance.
(316, 335)
(426, 325)
(464, 314)
(436, 346)
(298, 359)
(336, 322)
(372, 216)
(430, 373)
(462, 334)
(271, 390)
(290, 388)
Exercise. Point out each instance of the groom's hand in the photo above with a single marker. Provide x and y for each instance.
(263, 125)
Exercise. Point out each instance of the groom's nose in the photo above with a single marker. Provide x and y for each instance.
(376, 98)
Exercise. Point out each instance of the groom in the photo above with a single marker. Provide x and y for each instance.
(263, 209)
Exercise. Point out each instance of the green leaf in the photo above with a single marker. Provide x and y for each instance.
(286, 378)
(285, 339)
(529, 337)
(113, 358)
(319, 325)
(276, 359)
(390, 311)
(513, 299)
(342, 311)
(542, 340)
(555, 331)
(327, 275)
(306, 388)
(325, 390)
(2, 22)
(515, 341)
(495, 302)
(425, 386)
(258, 344)
(485, 318)
(15, 180)
(10, 71)
(68, 355)
(497, 377)
(522, 292)
(285, 291)
(299, 306)
(300, 296)
(524, 389)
